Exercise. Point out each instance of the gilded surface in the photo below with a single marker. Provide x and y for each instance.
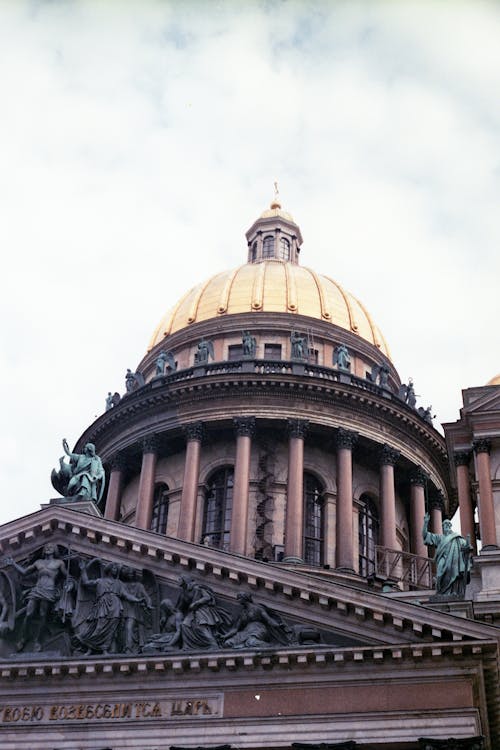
(271, 286)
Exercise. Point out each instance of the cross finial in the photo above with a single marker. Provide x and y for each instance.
(276, 201)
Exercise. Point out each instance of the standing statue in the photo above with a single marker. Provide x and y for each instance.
(109, 401)
(298, 345)
(160, 364)
(84, 475)
(249, 344)
(133, 380)
(96, 620)
(42, 597)
(341, 357)
(134, 612)
(426, 413)
(205, 349)
(452, 557)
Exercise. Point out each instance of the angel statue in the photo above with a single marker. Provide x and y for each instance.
(205, 349)
(341, 357)
(83, 476)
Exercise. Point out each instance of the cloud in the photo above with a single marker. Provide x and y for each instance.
(141, 139)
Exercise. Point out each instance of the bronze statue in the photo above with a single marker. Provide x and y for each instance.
(249, 344)
(298, 345)
(256, 626)
(170, 635)
(96, 620)
(341, 357)
(204, 623)
(134, 612)
(83, 476)
(453, 559)
(42, 597)
(205, 349)
(160, 363)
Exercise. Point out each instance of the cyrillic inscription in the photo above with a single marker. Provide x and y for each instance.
(162, 709)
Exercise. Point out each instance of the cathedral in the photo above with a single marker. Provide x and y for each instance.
(251, 546)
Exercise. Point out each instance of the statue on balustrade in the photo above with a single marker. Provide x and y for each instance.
(112, 400)
(453, 560)
(298, 345)
(256, 626)
(407, 393)
(249, 344)
(133, 380)
(83, 477)
(341, 357)
(205, 349)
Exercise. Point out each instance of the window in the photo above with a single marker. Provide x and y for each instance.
(368, 535)
(234, 352)
(284, 249)
(268, 247)
(160, 509)
(218, 507)
(254, 252)
(272, 351)
(313, 520)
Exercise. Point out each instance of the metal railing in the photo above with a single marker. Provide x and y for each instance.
(404, 569)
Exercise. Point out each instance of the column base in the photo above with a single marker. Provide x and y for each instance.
(293, 559)
(344, 569)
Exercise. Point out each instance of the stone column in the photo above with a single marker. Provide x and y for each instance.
(467, 526)
(388, 458)
(114, 496)
(417, 511)
(437, 506)
(345, 553)
(294, 523)
(486, 508)
(245, 429)
(144, 509)
(187, 513)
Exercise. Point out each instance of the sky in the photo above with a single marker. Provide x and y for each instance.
(140, 140)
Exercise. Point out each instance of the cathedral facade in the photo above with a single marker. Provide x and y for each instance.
(238, 560)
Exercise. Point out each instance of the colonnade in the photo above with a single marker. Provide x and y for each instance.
(486, 510)
(294, 518)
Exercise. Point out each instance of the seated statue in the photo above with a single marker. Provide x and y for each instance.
(83, 476)
(256, 626)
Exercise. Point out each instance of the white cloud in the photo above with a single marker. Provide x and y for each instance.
(140, 140)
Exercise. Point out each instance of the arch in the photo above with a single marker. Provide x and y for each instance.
(368, 533)
(284, 249)
(314, 521)
(217, 508)
(268, 246)
(161, 503)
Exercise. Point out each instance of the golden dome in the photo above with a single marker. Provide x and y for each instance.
(271, 286)
(494, 381)
(275, 211)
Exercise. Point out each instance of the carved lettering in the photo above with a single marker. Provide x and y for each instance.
(102, 711)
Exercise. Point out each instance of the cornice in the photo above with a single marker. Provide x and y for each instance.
(228, 660)
(330, 604)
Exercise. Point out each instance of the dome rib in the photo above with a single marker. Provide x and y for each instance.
(272, 285)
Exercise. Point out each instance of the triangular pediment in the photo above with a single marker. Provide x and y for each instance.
(322, 613)
(485, 400)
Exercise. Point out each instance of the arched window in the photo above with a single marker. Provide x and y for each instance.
(284, 249)
(368, 535)
(313, 520)
(254, 252)
(218, 507)
(160, 509)
(268, 247)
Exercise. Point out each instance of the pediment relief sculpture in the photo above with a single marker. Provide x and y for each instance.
(61, 603)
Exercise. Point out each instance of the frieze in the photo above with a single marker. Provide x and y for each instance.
(60, 603)
(153, 708)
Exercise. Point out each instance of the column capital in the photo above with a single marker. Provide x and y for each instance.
(418, 476)
(482, 445)
(461, 458)
(244, 426)
(194, 431)
(388, 456)
(345, 438)
(297, 428)
(118, 462)
(150, 444)
(437, 501)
